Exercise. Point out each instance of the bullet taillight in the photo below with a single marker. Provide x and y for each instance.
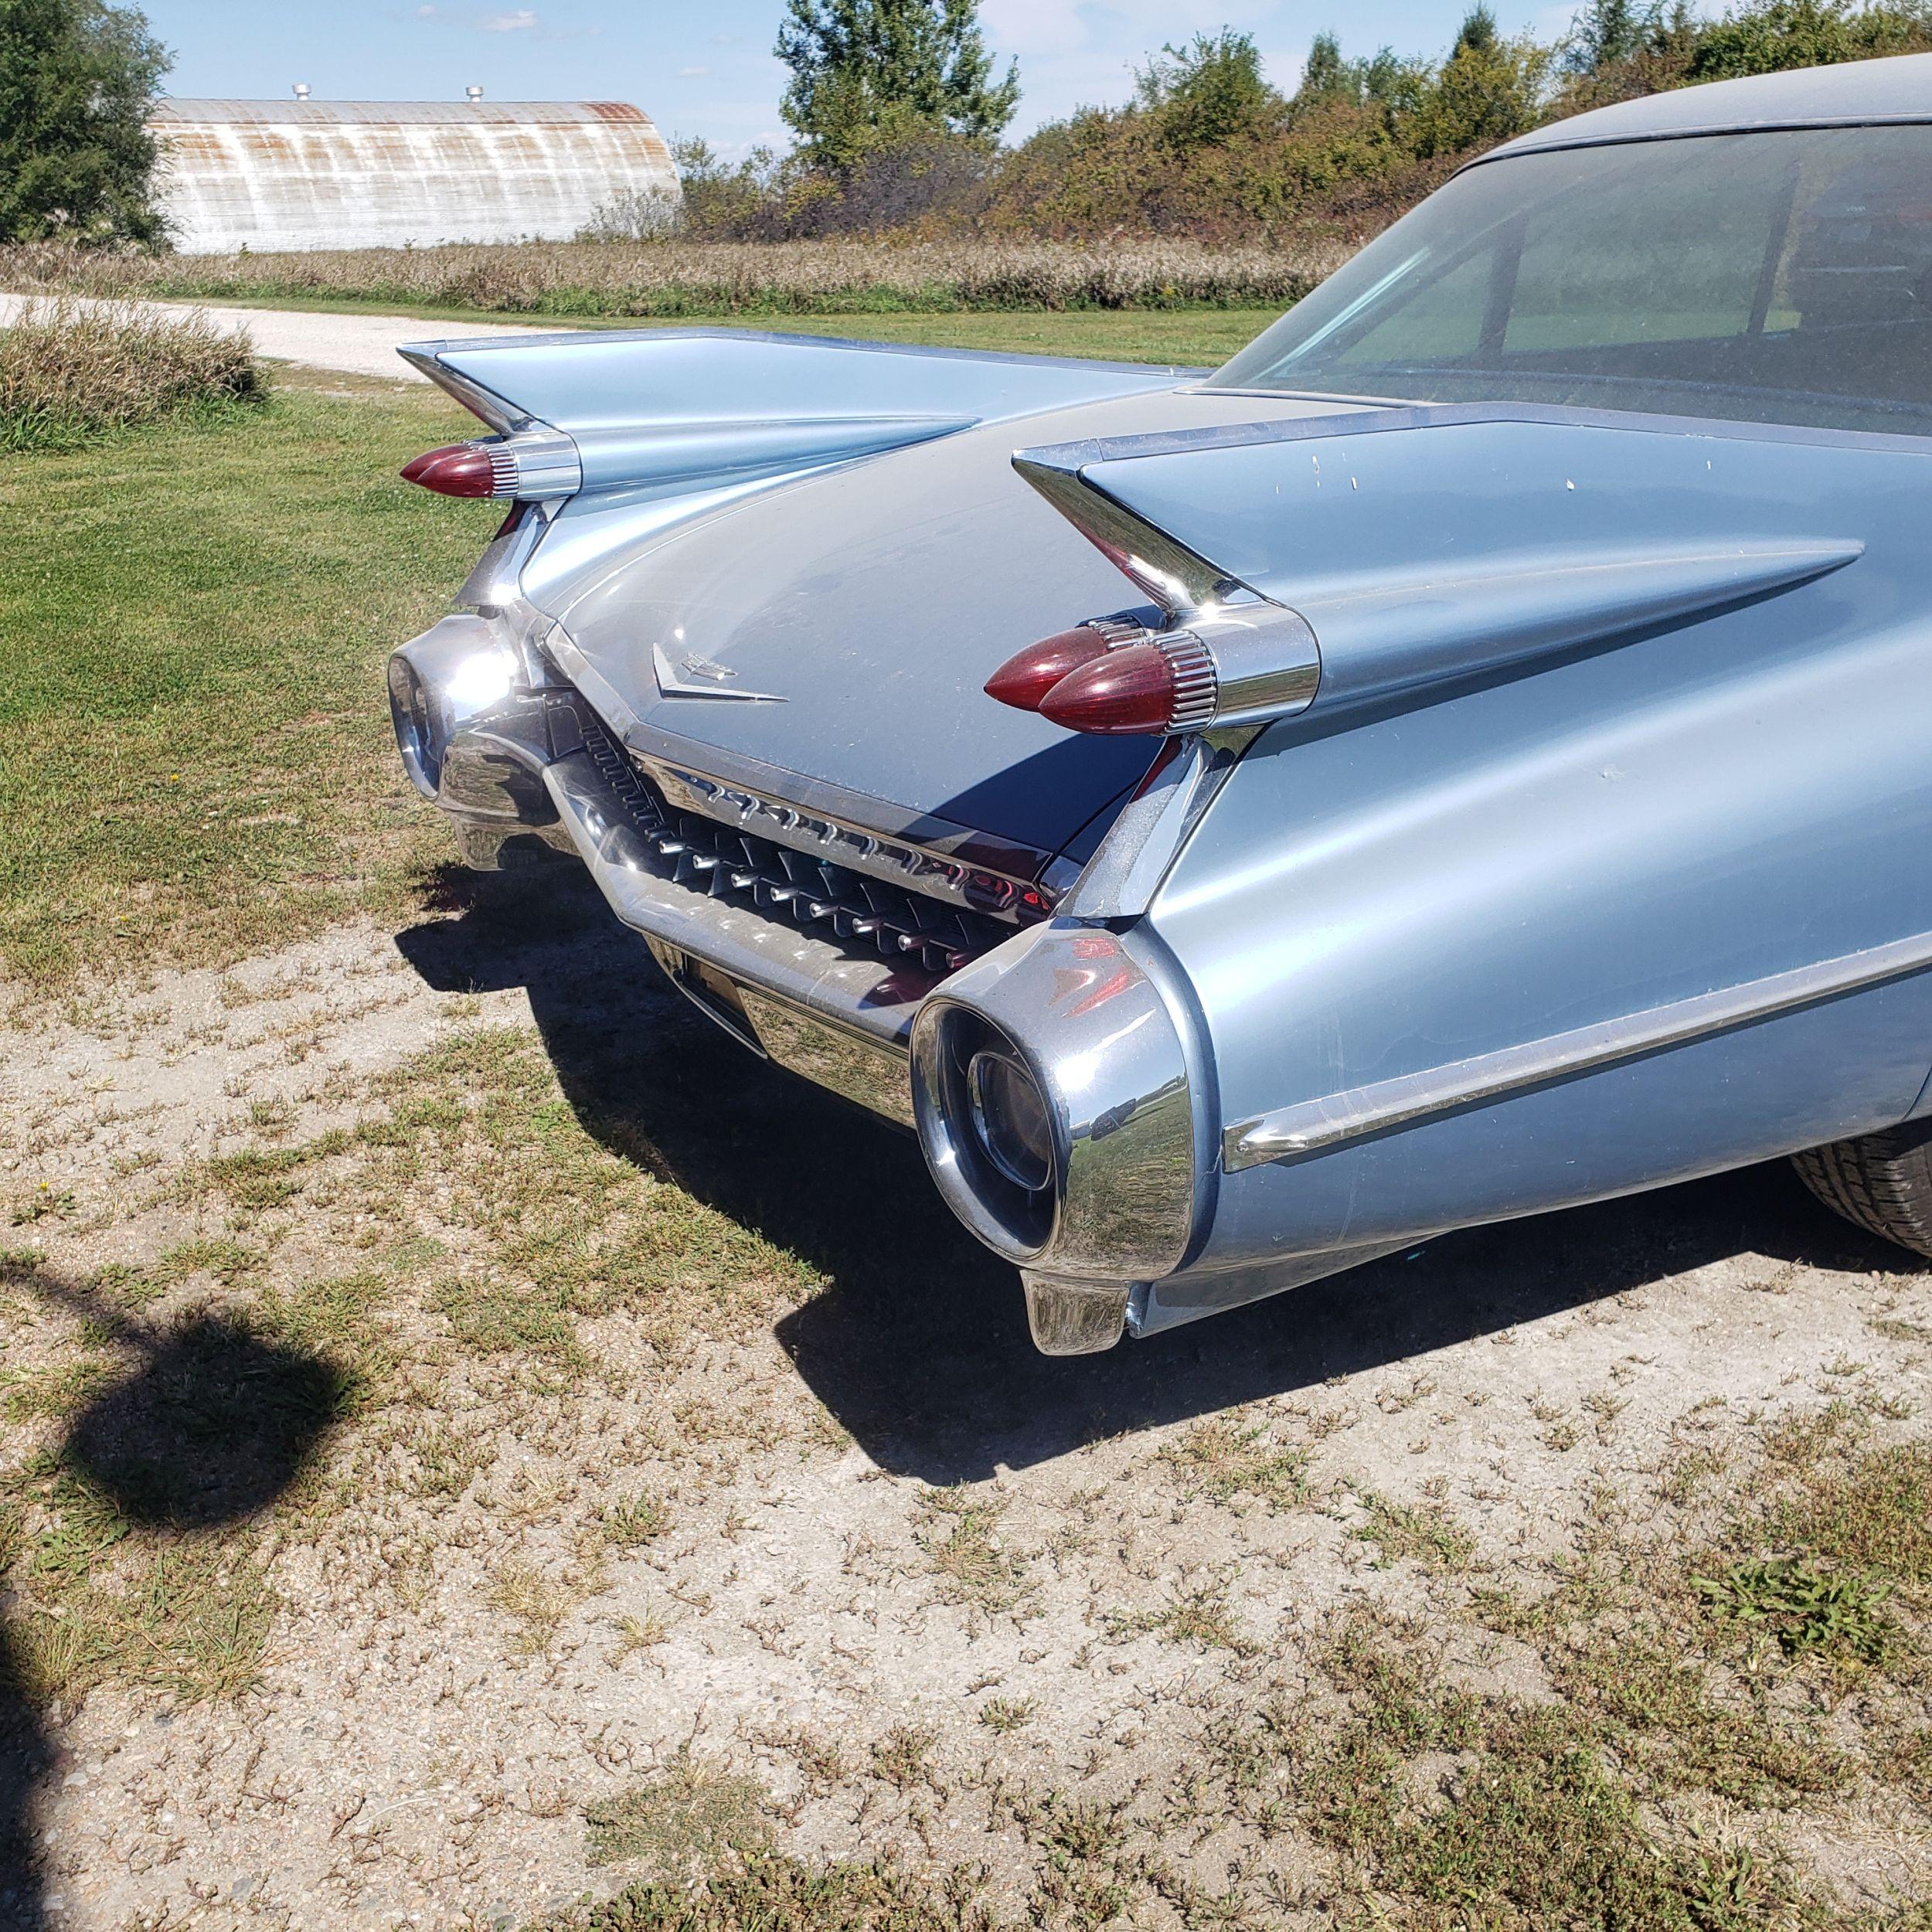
(1027, 677)
(458, 469)
(1133, 683)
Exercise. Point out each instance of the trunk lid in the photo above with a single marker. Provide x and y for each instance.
(869, 602)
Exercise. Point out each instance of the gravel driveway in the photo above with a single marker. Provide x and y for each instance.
(361, 344)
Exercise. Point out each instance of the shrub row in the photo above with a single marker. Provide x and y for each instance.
(671, 279)
(74, 372)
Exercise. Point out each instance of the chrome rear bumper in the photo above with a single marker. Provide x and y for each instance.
(843, 1021)
(762, 919)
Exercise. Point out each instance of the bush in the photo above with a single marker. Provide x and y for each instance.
(667, 281)
(74, 373)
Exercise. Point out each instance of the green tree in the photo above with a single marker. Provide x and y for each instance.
(870, 73)
(1209, 92)
(77, 79)
(1487, 90)
(1385, 80)
(1772, 35)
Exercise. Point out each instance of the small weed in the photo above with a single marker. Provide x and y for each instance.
(681, 1820)
(1805, 1608)
(1002, 1715)
(537, 1606)
(1221, 1461)
(1200, 1616)
(903, 1756)
(632, 1522)
(1425, 1532)
(969, 1566)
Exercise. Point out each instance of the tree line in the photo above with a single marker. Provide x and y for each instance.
(900, 108)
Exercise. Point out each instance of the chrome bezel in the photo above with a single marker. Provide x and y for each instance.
(1094, 1030)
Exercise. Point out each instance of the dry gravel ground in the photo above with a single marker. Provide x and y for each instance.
(474, 1441)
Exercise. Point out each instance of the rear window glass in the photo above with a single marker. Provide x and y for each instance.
(1782, 277)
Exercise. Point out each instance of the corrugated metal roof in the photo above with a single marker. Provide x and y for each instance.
(538, 113)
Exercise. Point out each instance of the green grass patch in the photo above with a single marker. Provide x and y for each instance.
(196, 761)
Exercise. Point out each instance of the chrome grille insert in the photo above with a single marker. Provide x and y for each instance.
(1015, 898)
(862, 911)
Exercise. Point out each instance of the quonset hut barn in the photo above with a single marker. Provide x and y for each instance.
(306, 174)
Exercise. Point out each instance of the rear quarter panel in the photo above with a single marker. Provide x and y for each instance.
(1385, 891)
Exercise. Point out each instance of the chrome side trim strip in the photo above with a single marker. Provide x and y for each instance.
(1309, 1126)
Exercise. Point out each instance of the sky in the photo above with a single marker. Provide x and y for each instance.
(705, 67)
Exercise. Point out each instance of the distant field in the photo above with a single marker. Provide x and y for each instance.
(1205, 336)
(679, 280)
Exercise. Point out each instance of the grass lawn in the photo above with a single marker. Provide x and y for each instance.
(195, 755)
(1206, 336)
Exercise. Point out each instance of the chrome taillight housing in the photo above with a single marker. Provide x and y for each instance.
(1238, 663)
(528, 463)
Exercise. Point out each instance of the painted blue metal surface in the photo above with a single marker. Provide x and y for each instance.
(1635, 817)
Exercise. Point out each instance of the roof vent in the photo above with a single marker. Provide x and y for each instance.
(301, 90)
(475, 93)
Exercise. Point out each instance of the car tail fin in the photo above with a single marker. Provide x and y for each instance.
(686, 408)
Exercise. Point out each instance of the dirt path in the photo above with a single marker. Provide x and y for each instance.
(480, 1439)
(361, 344)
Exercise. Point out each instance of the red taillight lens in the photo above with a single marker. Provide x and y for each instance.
(461, 469)
(1121, 694)
(1027, 677)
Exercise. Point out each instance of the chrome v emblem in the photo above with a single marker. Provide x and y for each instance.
(696, 677)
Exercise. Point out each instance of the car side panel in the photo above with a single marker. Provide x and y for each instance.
(1379, 893)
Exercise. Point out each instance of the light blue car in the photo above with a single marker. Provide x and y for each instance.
(1469, 756)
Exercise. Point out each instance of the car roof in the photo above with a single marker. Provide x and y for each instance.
(1857, 91)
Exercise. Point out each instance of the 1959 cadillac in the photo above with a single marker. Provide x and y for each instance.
(1476, 756)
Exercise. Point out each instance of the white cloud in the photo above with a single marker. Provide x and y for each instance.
(520, 21)
(692, 73)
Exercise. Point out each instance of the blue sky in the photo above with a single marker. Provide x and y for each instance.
(707, 69)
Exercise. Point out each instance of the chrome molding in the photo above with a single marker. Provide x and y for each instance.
(473, 735)
(1074, 1318)
(538, 462)
(708, 683)
(1178, 580)
(1149, 831)
(845, 1062)
(1267, 662)
(913, 868)
(505, 418)
(1310, 1126)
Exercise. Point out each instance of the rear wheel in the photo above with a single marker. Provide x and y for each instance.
(1882, 1181)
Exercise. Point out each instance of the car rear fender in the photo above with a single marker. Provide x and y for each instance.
(1597, 896)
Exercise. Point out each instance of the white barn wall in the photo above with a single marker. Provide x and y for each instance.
(385, 174)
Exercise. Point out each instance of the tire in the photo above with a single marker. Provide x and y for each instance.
(1880, 1181)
